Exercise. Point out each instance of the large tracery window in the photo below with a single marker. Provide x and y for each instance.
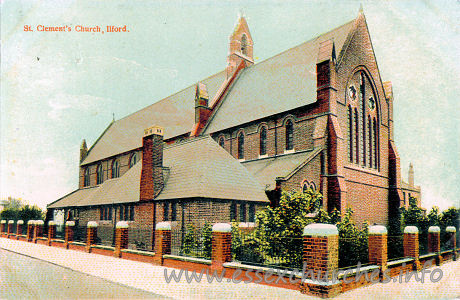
(363, 122)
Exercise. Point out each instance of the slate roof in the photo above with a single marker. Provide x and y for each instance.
(267, 170)
(175, 113)
(197, 168)
(281, 83)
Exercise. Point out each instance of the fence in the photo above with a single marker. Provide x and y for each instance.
(79, 234)
(140, 239)
(191, 243)
(353, 251)
(285, 252)
(423, 242)
(395, 246)
(60, 231)
(105, 236)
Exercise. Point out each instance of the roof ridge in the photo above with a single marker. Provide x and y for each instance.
(301, 44)
(171, 95)
(187, 141)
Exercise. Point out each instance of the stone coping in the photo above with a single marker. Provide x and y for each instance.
(39, 222)
(451, 229)
(103, 247)
(221, 227)
(91, 224)
(447, 251)
(58, 240)
(20, 222)
(353, 271)
(411, 229)
(434, 229)
(42, 238)
(11, 222)
(377, 229)
(188, 259)
(51, 223)
(70, 223)
(122, 224)
(139, 252)
(163, 226)
(428, 255)
(77, 243)
(317, 229)
(3, 221)
(400, 261)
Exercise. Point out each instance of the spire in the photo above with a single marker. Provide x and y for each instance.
(240, 46)
(83, 150)
(411, 175)
(361, 10)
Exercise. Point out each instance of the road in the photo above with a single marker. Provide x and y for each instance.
(24, 277)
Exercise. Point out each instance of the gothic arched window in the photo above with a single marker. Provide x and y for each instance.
(86, 179)
(221, 142)
(99, 174)
(133, 160)
(244, 45)
(263, 141)
(115, 169)
(350, 134)
(289, 135)
(240, 146)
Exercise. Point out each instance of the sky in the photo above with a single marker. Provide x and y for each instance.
(58, 88)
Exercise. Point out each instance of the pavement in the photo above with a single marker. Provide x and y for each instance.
(150, 278)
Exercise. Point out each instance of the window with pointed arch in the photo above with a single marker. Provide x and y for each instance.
(221, 142)
(99, 174)
(115, 169)
(263, 141)
(87, 177)
(244, 44)
(133, 160)
(289, 135)
(240, 145)
(362, 113)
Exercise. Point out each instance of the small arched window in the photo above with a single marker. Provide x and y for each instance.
(86, 179)
(133, 160)
(221, 142)
(289, 135)
(244, 45)
(99, 174)
(263, 141)
(240, 146)
(115, 169)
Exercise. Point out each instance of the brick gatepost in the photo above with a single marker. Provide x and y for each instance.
(434, 242)
(51, 231)
(19, 225)
(30, 230)
(221, 245)
(452, 232)
(2, 226)
(68, 233)
(411, 245)
(321, 254)
(91, 234)
(162, 241)
(378, 246)
(121, 237)
(10, 228)
(38, 230)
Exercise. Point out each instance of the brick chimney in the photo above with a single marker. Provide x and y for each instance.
(152, 163)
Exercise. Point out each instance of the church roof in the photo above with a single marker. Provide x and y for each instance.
(278, 84)
(267, 170)
(195, 168)
(175, 113)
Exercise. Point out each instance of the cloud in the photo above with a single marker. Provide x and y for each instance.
(62, 102)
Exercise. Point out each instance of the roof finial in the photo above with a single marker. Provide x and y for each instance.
(361, 10)
(113, 117)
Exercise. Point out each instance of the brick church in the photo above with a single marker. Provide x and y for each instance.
(316, 116)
